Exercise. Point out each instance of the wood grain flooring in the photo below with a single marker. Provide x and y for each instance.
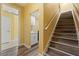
(23, 51)
(20, 51)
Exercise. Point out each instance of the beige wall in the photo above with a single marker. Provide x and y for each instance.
(50, 11)
(77, 6)
(28, 9)
(46, 12)
(65, 6)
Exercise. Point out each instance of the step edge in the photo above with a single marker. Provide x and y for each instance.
(65, 38)
(64, 44)
(66, 33)
(61, 51)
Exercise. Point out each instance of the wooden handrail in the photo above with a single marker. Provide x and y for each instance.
(48, 25)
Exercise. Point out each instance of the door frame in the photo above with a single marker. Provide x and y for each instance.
(34, 14)
(16, 12)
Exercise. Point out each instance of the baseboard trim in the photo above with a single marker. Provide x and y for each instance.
(26, 46)
(34, 44)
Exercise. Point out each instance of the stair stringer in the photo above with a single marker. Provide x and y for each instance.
(75, 17)
(52, 33)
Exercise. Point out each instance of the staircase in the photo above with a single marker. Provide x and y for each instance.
(64, 41)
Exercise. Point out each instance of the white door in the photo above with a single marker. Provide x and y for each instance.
(34, 38)
(5, 32)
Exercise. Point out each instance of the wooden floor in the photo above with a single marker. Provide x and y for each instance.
(23, 51)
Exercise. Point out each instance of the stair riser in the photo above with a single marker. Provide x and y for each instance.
(66, 17)
(72, 50)
(55, 53)
(57, 38)
(65, 24)
(61, 19)
(64, 28)
(65, 31)
(65, 21)
(63, 34)
(66, 41)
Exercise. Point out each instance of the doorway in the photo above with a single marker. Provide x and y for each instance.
(9, 30)
(35, 28)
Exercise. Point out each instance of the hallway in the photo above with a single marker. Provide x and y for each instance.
(39, 29)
